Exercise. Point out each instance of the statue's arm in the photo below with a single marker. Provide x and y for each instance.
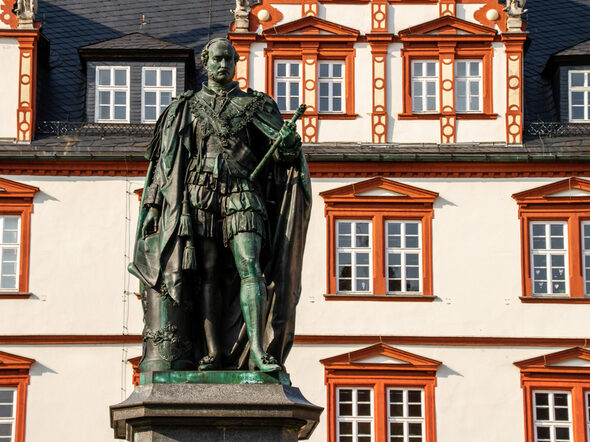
(152, 201)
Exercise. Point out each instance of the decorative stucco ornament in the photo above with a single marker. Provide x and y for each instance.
(25, 11)
(492, 15)
(515, 10)
(263, 15)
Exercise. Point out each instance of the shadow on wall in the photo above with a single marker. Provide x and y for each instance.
(62, 83)
(552, 26)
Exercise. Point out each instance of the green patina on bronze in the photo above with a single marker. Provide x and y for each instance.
(221, 230)
(214, 377)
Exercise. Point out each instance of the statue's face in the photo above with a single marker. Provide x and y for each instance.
(221, 65)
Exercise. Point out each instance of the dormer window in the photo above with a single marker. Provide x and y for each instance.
(112, 94)
(579, 95)
(159, 86)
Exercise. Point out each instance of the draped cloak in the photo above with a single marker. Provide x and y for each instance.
(286, 190)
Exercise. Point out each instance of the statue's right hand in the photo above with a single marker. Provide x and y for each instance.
(150, 224)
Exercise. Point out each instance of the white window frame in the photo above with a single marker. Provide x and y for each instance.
(424, 79)
(288, 80)
(111, 89)
(157, 89)
(12, 419)
(585, 90)
(5, 246)
(331, 80)
(406, 420)
(548, 253)
(354, 419)
(551, 422)
(403, 250)
(469, 79)
(353, 251)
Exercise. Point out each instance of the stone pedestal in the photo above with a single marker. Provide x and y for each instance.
(192, 406)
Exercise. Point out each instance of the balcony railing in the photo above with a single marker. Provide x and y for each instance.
(61, 128)
(558, 129)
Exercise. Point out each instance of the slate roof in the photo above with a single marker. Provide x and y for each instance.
(70, 24)
(135, 40)
(553, 26)
(579, 49)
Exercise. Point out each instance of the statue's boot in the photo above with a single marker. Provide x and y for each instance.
(211, 308)
(252, 295)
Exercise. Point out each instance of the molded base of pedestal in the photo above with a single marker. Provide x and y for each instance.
(214, 412)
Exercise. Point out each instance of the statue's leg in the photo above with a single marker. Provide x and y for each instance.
(246, 247)
(211, 304)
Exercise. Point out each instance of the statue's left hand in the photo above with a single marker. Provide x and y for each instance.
(289, 148)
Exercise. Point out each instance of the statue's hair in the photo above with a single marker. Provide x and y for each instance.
(205, 51)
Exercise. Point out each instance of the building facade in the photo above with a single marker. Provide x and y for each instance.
(446, 278)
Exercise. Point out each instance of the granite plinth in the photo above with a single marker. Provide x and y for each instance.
(261, 412)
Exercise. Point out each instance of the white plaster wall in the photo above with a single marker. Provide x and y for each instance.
(476, 272)
(9, 54)
(257, 68)
(477, 387)
(353, 16)
(290, 13)
(400, 17)
(465, 11)
(72, 388)
(78, 247)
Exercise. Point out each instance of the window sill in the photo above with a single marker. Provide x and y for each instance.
(554, 300)
(15, 295)
(288, 116)
(436, 116)
(390, 298)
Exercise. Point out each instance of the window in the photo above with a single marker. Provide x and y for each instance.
(9, 250)
(555, 222)
(16, 207)
(425, 86)
(14, 379)
(7, 414)
(112, 94)
(374, 401)
(579, 95)
(331, 84)
(158, 85)
(468, 88)
(556, 394)
(552, 415)
(353, 255)
(288, 85)
(379, 241)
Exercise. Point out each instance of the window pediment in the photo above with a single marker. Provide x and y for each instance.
(381, 357)
(313, 26)
(9, 361)
(573, 359)
(568, 191)
(12, 189)
(379, 190)
(448, 26)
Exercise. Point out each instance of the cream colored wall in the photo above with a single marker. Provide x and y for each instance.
(78, 234)
(290, 13)
(257, 68)
(9, 54)
(465, 11)
(476, 272)
(401, 17)
(353, 16)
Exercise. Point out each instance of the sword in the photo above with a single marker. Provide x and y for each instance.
(300, 110)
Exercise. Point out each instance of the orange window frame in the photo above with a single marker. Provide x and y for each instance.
(411, 54)
(295, 52)
(538, 374)
(14, 373)
(537, 205)
(17, 199)
(416, 372)
(410, 203)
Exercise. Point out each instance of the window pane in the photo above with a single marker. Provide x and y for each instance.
(577, 79)
(430, 88)
(282, 103)
(120, 77)
(577, 113)
(336, 89)
(324, 104)
(281, 88)
(166, 77)
(150, 113)
(324, 70)
(417, 69)
(104, 98)
(324, 89)
(6, 410)
(104, 77)
(11, 222)
(104, 113)
(294, 103)
(294, 88)
(150, 77)
(430, 103)
(337, 70)
(121, 98)
(337, 105)
(294, 71)
(417, 89)
(461, 69)
(165, 98)
(430, 69)
(577, 98)
(6, 430)
(10, 237)
(474, 68)
(120, 113)
(6, 396)
(281, 69)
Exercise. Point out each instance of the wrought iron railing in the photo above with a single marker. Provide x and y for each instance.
(61, 128)
(558, 129)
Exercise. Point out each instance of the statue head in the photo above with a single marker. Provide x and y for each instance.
(219, 57)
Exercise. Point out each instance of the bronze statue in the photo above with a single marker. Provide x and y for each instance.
(218, 248)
